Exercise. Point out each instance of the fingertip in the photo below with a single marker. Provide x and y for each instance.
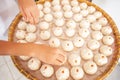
(31, 20)
(36, 20)
(24, 17)
(23, 12)
(27, 19)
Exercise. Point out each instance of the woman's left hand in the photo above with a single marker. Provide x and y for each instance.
(29, 10)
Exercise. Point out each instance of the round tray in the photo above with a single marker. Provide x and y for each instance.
(111, 22)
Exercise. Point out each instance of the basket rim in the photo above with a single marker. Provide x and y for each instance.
(114, 27)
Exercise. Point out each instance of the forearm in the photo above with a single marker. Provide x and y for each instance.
(6, 48)
(16, 49)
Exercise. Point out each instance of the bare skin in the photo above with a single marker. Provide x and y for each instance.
(29, 10)
(43, 52)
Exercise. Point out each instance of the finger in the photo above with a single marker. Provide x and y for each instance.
(35, 14)
(29, 16)
(61, 58)
(32, 20)
(57, 62)
(23, 13)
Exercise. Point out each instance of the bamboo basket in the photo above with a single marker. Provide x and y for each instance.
(111, 22)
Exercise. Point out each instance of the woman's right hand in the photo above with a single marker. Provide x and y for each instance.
(43, 52)
(49, 55)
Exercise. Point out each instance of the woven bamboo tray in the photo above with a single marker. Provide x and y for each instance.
(111, 22)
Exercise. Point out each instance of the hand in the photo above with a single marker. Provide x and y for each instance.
(29, 10)
(49, 55)
(43, 52)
